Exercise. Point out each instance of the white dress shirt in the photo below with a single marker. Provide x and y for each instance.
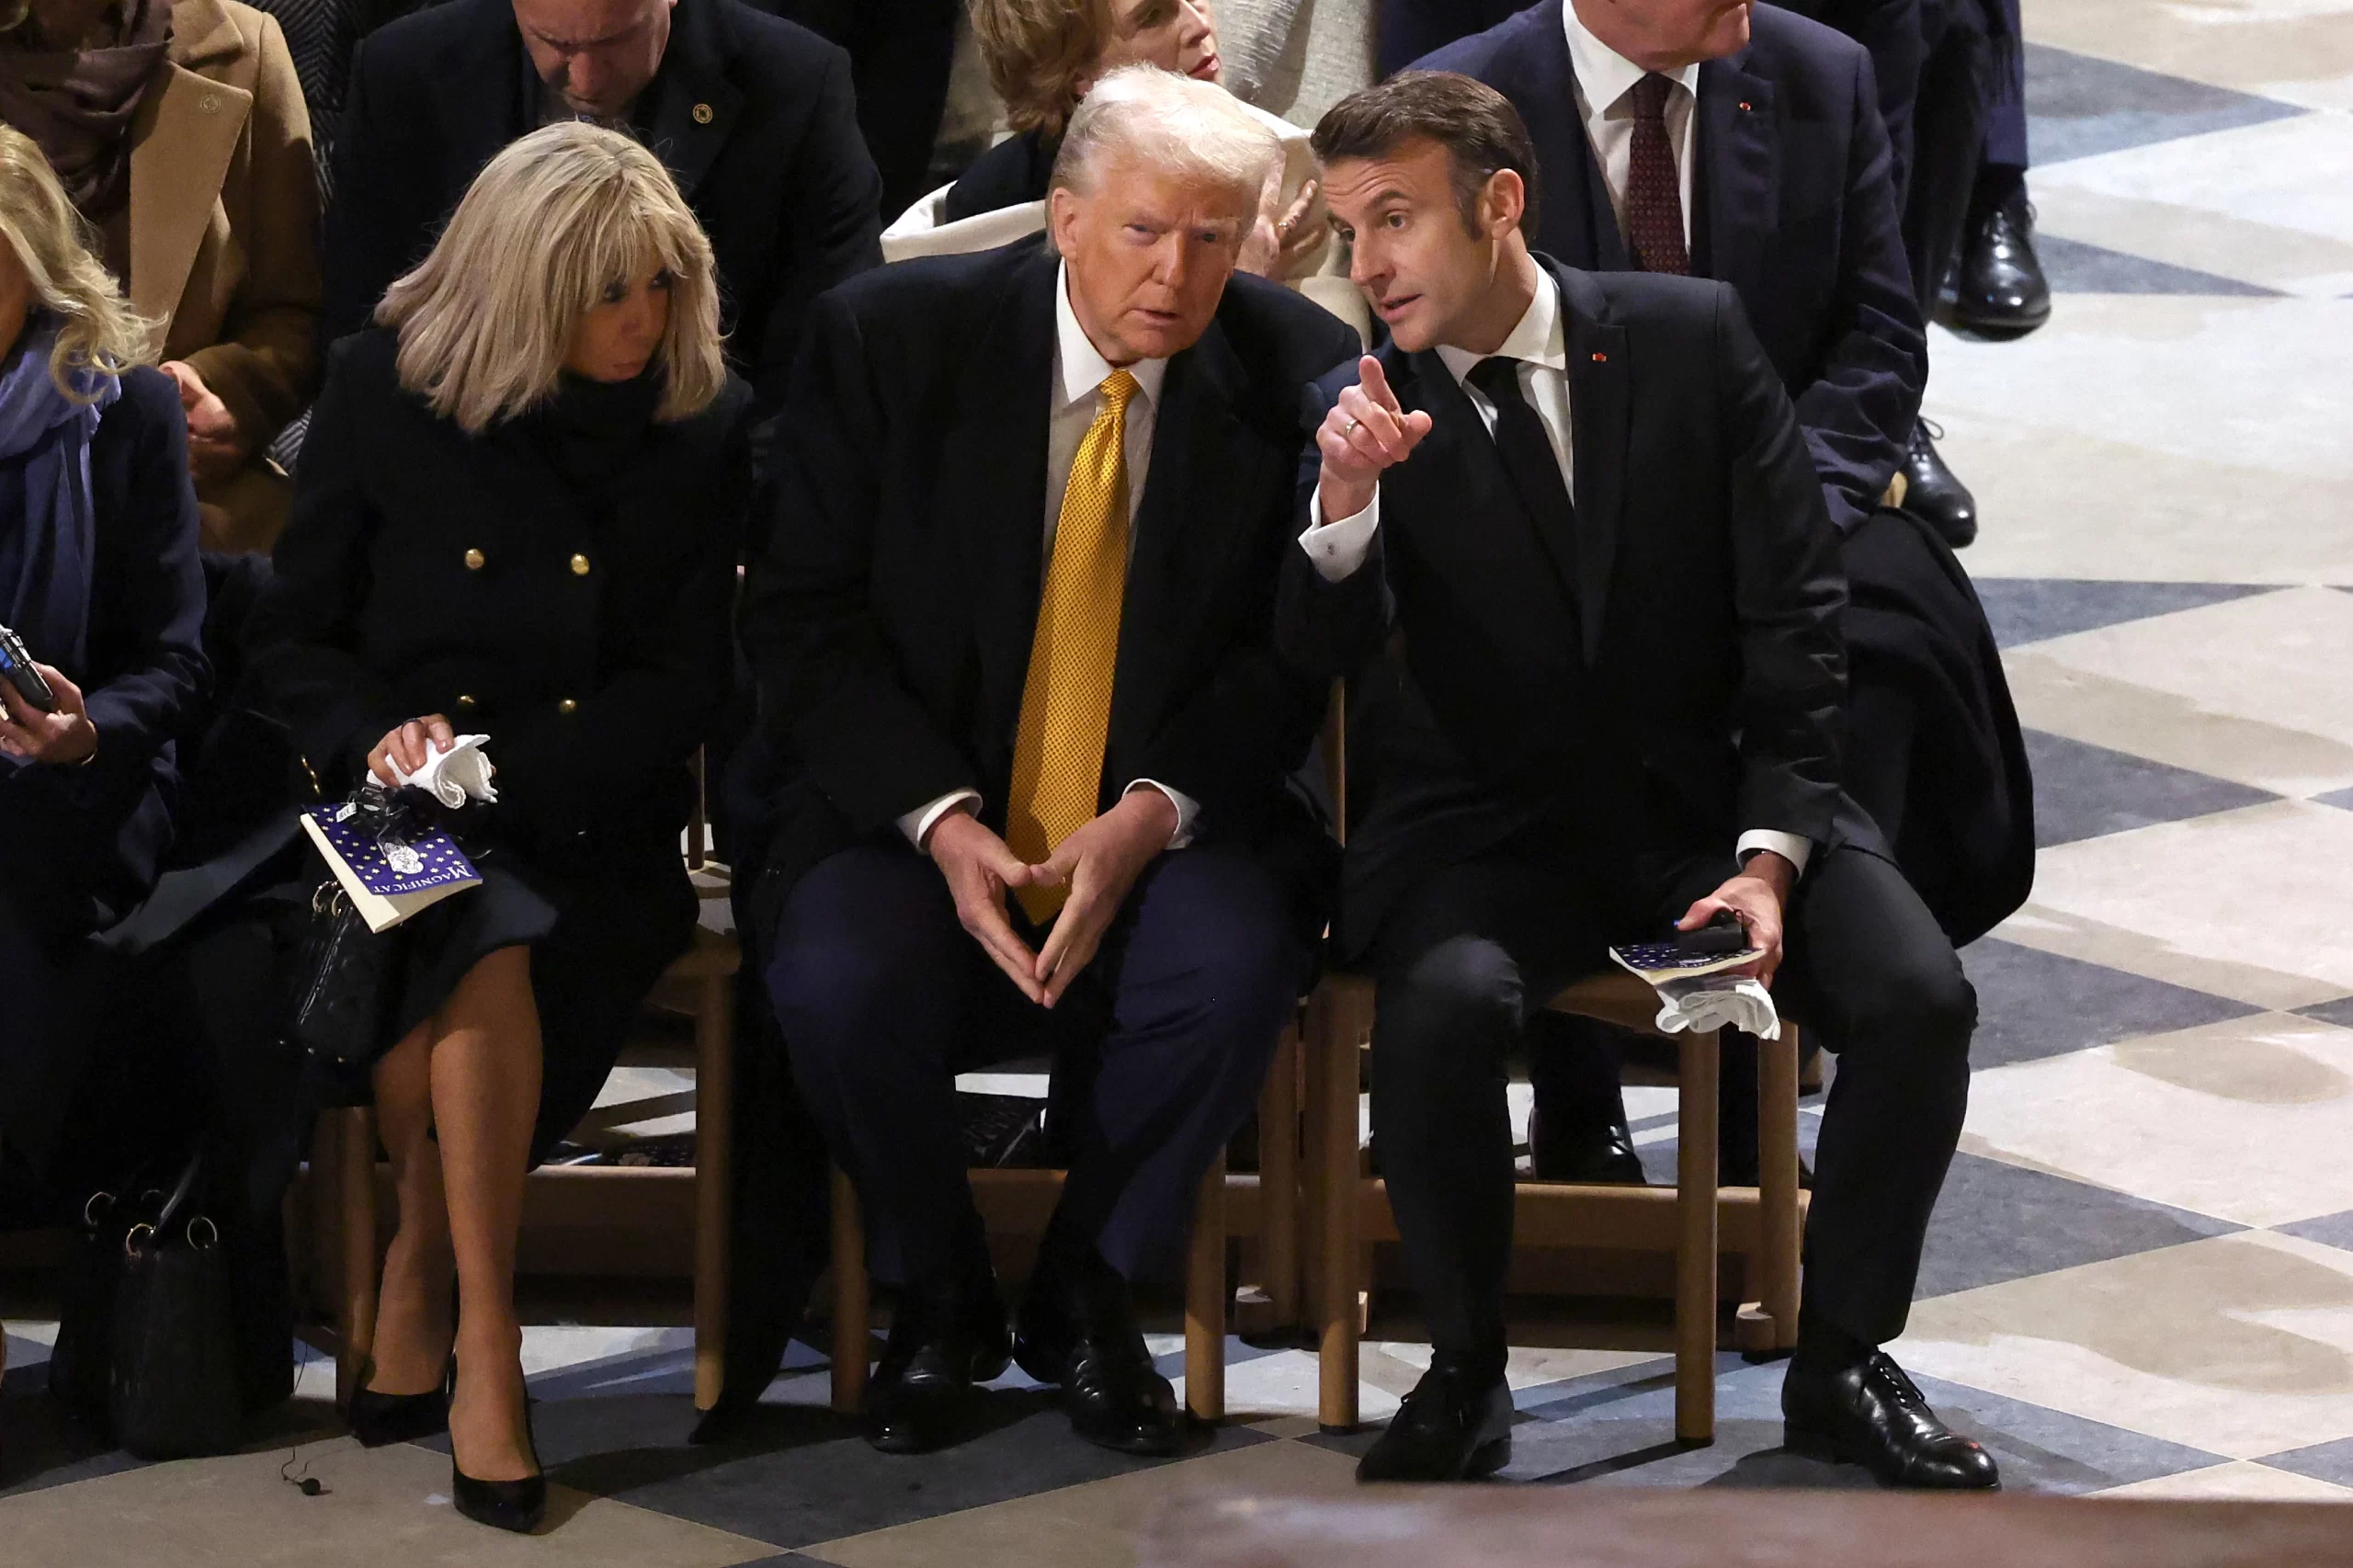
(1541, 344)
(1079, 373)
(1604, 78)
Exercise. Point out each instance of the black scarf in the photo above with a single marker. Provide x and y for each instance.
(593, 431)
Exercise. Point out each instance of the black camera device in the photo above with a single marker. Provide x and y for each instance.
(17, 669)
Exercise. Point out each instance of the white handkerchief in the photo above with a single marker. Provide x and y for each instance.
(454, 777)
(1716, 1002)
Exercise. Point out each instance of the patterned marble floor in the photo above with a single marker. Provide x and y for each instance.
(2141, 1278)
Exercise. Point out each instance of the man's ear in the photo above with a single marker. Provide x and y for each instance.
(1503, 202)
(1061, 217)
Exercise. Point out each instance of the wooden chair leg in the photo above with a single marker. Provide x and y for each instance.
(356, 1224)
(714, 1181)
(1335, 1087)
(1205, 1299)
(1279, 1181)
(1777, 1197)
(852, 1298)
(1695, 1251)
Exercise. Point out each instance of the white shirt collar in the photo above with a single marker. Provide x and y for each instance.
(1604, 75)
(1083, 368)
(1541, 338)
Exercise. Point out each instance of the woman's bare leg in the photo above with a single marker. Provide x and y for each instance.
(485, 1076)
(413, 1322)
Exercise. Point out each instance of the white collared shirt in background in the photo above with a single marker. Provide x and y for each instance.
(1604, 78)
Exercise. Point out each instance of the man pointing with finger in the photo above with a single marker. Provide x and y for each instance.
(1024, 736)
(1584, 500)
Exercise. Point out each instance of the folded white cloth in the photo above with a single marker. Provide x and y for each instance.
(453, 776)
(1711, 1002)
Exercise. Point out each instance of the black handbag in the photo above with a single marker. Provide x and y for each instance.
(146, 1344)
(339, 993)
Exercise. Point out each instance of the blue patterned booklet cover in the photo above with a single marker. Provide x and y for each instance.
(1661, 961)
(388, 880)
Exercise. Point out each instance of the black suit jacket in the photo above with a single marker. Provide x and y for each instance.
(890, 621)
(1686, 692)
(595, 686)
(1794, 205)
(754, 116)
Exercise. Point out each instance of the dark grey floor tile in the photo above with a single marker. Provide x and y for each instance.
(786, 1560)
(2032, 1004)
(2074, 267)
(795, 1474)
(2079, 105)
(2339, 1012)
(2329, 1230)
(2322, 1462)
(1997, 1221)
(2087, 792)
(2031, 610)
(1617, 1428)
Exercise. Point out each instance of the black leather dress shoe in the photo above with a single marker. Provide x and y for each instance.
(378, 1419)
(1078, 1331)
(2000, 291)
(945, 1336)
(517, 1505)
(1870, 1413)
(1580, 1150)
(1931, 492)
(1453, 1426)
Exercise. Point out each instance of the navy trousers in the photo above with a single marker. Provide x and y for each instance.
(884, 997)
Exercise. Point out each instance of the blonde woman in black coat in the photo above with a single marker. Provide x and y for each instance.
(517, 514)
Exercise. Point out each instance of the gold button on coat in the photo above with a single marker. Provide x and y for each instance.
(703, 114)
(465, 704)
(580, 566)
(567, 707)
(474, 559)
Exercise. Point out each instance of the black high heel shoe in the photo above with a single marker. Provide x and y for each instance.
(378, 1419)
(517, 1505)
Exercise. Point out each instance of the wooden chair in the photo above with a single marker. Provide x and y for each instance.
(1020, 1202)
(700, 984)
(1350, 1208)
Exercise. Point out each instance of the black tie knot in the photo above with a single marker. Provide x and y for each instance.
(1649, 96)
(1498, 377)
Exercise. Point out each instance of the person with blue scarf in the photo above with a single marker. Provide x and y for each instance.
(100, 576)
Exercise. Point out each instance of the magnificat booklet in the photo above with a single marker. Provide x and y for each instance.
(387, 879)
(1658, 962)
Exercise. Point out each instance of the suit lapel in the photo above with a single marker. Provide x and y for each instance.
(1738, 185)
(699, 106)
(183, 138)
(490, 94)
(1599, 384)
(1578, 224)
(996, 456)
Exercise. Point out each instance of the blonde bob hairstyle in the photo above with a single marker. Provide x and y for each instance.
(97, 332)
(1039, 53)
(555, 220)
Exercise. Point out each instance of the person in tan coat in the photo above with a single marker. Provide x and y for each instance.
(178, 128)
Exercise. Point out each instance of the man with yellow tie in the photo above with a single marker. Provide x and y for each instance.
(1024, 737)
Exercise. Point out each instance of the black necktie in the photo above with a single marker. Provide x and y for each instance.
(1528, 458)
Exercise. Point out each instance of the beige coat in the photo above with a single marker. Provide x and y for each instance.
(224, 228)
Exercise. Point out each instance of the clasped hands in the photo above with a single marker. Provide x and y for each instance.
(1099, 864)
(216, 448)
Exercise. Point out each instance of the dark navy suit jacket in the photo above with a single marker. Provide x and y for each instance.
(1794, 205)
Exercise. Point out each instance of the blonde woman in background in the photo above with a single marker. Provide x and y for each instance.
(178, 128)
(1042, 56)
(519, 503)
(98, 577)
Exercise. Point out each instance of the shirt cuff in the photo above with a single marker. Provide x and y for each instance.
(1188, 809)
(918, 823)
(1338, 549)
(1789, 847)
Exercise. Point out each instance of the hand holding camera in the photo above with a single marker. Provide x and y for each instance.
(41, 715)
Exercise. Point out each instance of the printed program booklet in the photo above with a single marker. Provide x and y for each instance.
(392, 878)
(1659, 962)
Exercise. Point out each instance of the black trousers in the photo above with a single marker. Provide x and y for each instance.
(1464, 957)
(884, 996)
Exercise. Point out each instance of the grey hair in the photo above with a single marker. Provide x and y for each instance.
(1168, 122)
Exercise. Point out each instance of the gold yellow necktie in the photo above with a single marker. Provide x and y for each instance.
(1066, 700)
